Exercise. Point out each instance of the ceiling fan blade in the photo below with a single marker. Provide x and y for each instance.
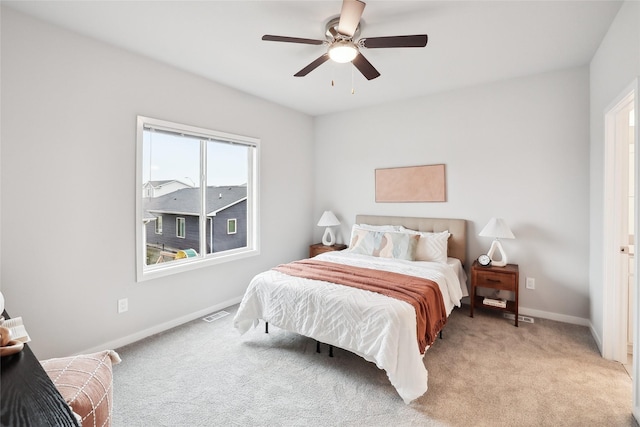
(285, 39)
(395, 41)
(315, 64)
(365, 67)
(350, 16)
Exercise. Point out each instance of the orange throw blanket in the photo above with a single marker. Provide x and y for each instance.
(423, 294)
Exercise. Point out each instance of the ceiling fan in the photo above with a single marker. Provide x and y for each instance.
(341, 33)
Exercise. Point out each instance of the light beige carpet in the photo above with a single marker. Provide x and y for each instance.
(485, 372)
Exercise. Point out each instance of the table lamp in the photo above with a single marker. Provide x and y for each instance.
(328, 219)
(498, 229)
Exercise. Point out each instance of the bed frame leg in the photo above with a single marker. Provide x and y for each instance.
(330, 350)
(317, 346)
(266, 327)
(440, 334)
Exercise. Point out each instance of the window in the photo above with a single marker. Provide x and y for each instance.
(231, 226)
(204, 183)
(180, 228)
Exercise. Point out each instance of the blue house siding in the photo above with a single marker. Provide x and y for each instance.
(169, 239)
(223, 241)
(223, 203)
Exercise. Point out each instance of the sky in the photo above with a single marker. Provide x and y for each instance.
(169, 157)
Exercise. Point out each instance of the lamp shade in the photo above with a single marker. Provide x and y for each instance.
(328, 219)
(498, 229)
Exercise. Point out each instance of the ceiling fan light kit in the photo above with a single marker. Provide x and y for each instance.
(343, 51)
(340, 35)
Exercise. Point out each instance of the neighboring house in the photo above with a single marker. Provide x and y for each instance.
(171, 220)
(160, 188)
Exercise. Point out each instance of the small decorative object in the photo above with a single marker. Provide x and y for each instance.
(484, 260)
(8, 345)
(5, 336)
(498, 229)
(328, 219)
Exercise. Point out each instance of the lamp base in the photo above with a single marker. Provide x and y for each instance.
(328, 238)
(496, 246)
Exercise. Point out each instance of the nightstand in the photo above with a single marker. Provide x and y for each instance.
(500, 278)
(319, 248)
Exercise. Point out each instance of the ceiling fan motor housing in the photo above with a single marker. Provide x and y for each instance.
(332, 32)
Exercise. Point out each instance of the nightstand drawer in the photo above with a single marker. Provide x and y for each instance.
(489, 279)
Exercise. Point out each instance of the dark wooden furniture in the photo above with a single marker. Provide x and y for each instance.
(500, 278)
(319, 248)
(28, 396)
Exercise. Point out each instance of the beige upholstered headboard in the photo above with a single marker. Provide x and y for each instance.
(457, 228)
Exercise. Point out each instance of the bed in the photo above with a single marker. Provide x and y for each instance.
(379, 328)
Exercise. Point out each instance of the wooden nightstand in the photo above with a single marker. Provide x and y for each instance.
(319, 248)
(500, 278)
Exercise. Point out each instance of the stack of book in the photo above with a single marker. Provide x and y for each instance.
(501, 303)
(17, 329)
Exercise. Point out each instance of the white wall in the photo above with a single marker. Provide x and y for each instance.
(612, 69)
(69, 107)
(517, 149)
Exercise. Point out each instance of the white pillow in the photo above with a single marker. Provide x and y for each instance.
(431, 246)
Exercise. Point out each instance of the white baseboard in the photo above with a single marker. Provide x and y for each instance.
(548, 315)
(129, 339)
(554, 316)
(596, 338)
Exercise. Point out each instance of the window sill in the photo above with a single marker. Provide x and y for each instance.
(188, 264)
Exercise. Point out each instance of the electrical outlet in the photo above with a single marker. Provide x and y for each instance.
(531, 283)
(123, 305)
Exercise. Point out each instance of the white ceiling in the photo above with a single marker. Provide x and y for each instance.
(470, 42)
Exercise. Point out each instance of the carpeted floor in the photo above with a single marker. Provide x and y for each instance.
(485, 372)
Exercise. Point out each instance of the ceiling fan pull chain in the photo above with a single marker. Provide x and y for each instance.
(353, 89)
(333, 75)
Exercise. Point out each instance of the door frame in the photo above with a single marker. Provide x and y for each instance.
(614, 340)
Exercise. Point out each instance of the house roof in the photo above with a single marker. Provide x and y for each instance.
(160, 183)
(186, 201)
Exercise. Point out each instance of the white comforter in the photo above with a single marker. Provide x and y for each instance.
(376, 327)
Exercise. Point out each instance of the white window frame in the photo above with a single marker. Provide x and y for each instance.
(233, 221)
(159, 224)
(147, 272)
(179, 221)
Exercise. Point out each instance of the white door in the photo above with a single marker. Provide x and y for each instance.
(619, 298)
(625, 142)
